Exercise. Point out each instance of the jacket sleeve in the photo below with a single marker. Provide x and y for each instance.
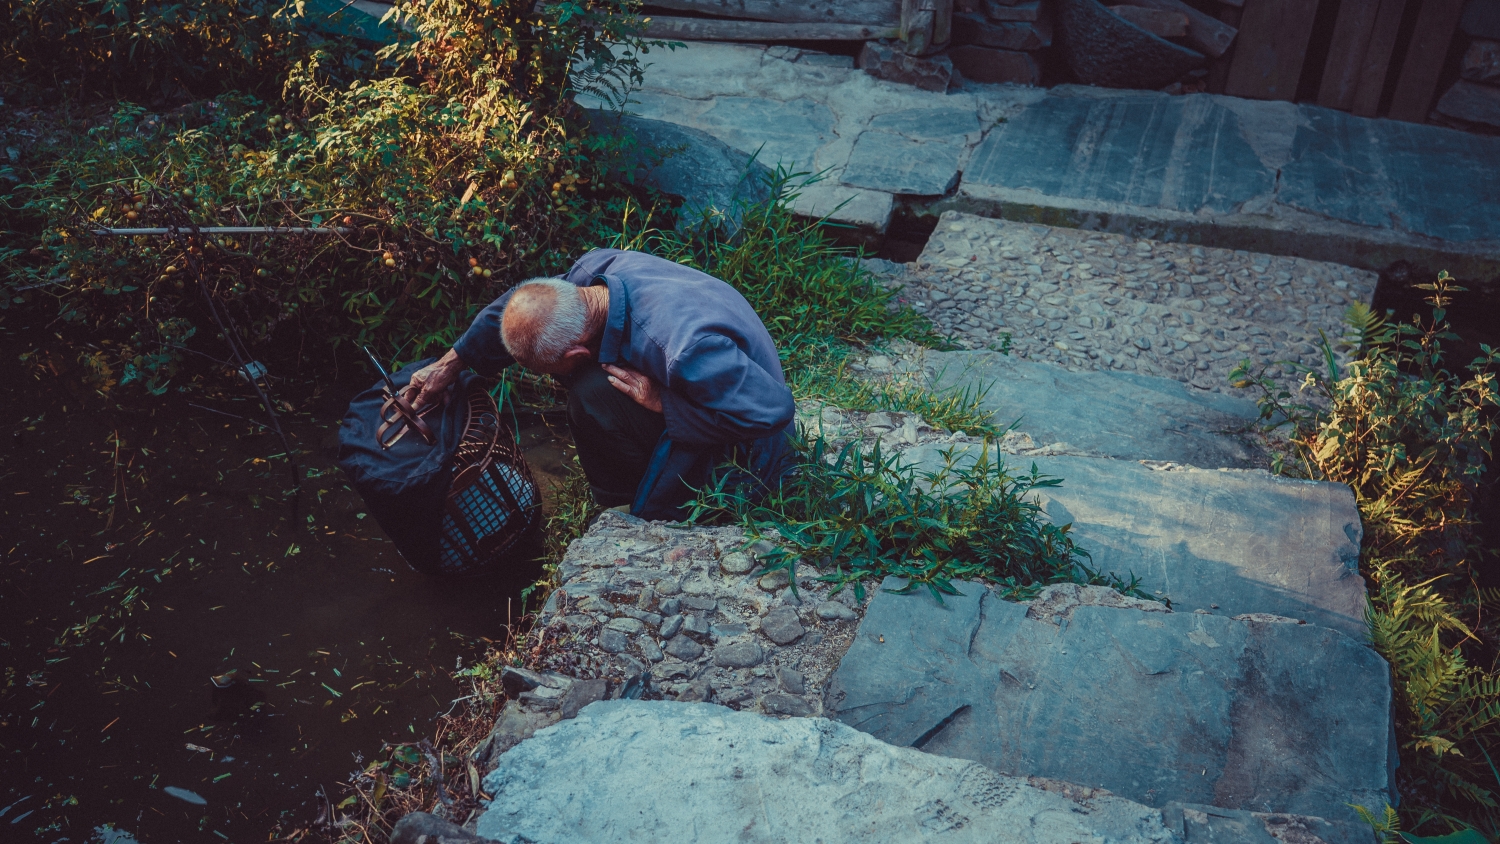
(717, 394)
(480, 347)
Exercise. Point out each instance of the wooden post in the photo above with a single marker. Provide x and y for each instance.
(1272, 46)
(1346, 53)
(1424, 59)
(926, 25)
(1377, 61)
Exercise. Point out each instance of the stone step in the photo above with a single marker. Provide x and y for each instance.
(1107, 414)
(663, 771)
(1088, 300)
(1155, 706)
(1228, 542)
(1269, 176)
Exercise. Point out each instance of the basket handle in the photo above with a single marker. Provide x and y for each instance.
(398, 415)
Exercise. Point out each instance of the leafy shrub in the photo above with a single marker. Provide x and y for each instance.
(144, 48)
(461, 171)
(1413, 438)
(861, 516)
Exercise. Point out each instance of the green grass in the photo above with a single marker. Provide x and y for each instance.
(861, 516)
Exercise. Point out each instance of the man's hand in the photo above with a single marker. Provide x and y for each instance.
(639, 386)
(435, 379)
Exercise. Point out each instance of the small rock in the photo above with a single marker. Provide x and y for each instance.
(1471, 101)
(1482, 61)
(650, 619)
(594, 604)
(627, 625)
(583, 693)
(671, 606)
(790, 680)
(727, 631)
(696, 627)
(736, 655)
(699, 586)
(668, 586)
(779, 704)
(649, 649)
(782, 625)
(888, 61)
(683, 648)
(1142, 343)
(736, 563)
(732, 694)
(813, 639)
(516, 680)
(772, 581)
(835, 611)
(698, 691)
(762, 547)
(700, 603)
(670, 625)
(515, 724)
(613, 641)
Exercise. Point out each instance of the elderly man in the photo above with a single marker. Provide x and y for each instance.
(669, 374)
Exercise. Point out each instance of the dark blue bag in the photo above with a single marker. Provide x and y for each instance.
(458, 506)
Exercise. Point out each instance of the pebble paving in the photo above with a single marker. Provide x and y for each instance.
(1100, 301)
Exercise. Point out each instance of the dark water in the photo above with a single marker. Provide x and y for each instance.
(146, 546)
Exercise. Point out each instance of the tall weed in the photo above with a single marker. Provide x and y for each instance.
(859, 516)
(1412, 438)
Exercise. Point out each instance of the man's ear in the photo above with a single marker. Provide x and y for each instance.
(576, 355)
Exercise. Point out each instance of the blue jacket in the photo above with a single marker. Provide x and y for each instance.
(724, 396)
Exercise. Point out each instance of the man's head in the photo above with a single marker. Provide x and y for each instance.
(545, 326)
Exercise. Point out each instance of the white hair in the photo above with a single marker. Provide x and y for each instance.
(544, 318)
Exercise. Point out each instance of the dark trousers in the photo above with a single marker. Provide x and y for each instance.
(615, 437)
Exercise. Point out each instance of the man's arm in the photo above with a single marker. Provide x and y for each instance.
(717, 394)
(480, 348)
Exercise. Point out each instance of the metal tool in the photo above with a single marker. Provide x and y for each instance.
(398, 414)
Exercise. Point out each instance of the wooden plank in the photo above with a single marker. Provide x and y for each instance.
(1159, 22)
(1206, 34)
(709, 29)
(868, 12)
(926, 25)
(1346, 53)
(1377, 60)
(1424, 60)
(1273, 44)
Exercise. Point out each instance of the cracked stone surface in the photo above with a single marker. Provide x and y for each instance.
(1229, 542)
(1157, 706)
(685, 608)
(659, 771)
(1199, 166)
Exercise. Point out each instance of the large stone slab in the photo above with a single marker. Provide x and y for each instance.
(777, 132)
(1154, 706)
(713, 179)
(1427, 180)
(1229, 542)
(903, 166)
(1115, 414)
(1178, 153)
(661, 771)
